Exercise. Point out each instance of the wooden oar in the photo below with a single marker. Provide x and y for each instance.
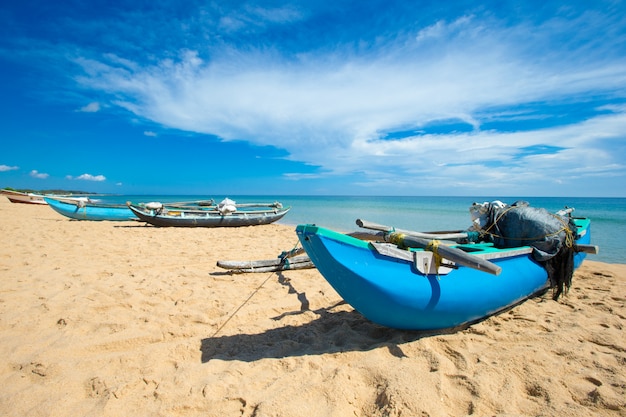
(452, 254)
(591, 249)
(388, 229)
(274, 205)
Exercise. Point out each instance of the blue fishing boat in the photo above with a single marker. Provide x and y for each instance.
(88, 210)
(225, 214)
(413, 281)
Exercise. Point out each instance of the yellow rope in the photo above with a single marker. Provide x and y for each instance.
(397, 239)
(569, 235)
(433, 246)
(486, 231)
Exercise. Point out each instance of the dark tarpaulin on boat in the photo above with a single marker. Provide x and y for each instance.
(550, 235)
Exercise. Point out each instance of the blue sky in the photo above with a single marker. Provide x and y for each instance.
(519, 98)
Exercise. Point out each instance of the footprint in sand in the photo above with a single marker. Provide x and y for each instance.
(97, 388)
(32, 369)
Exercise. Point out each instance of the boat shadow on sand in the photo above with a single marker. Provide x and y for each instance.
(334, 330)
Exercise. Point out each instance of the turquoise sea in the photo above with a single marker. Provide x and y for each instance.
(608, 215)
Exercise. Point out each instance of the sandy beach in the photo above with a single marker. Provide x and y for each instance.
(123, 319)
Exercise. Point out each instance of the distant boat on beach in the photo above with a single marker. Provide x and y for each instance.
(225, 214)
(87, 210)
(25, 198)
(34, 198)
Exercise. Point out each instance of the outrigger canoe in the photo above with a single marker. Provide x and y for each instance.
(25, 198)
(87, 210)
(421, 288)
(32, 198)
(222, 215)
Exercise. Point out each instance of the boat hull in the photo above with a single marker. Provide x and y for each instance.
(394, 293)
(207, 218)
(24, 198)
(80, 210)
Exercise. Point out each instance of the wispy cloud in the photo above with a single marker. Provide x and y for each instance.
(300, 176)
(251, 16)
(331, 108)
(93, 107)
(330, 96)
(149, 133)
(87, 177)
(444, 30)
(4, 168)
(39, 175)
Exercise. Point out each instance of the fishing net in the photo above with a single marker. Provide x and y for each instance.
(550, 235)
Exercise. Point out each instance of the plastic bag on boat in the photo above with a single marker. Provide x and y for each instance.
(227, 206)
(481, 214)
(550, 235)
(522, 225)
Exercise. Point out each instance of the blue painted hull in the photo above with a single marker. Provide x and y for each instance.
(91, 211)
(393, 293)
(208, 218)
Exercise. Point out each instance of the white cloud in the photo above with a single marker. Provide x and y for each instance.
(93, 107)
(443, 30)
(39, 175)
(299, 176)
(87, 177)
(149, 133)
(4, 168)
(250, 17)
(331, 108)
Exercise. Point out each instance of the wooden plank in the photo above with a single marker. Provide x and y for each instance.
(262, 263)
(288, 266)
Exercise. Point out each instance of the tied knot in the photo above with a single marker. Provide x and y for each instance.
(433, 246)
(397, 239)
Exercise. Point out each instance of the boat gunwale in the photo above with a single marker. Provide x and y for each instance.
(79, 204)
(484, 250)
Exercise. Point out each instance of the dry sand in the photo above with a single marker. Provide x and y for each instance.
(122, 319)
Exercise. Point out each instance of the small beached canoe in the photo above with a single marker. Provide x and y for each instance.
(87, 210)
(25, 198)
(410, 288)
(222, 215)
(82, 208)
(32, 198)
